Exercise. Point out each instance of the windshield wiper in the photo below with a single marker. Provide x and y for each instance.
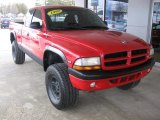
(95, 27)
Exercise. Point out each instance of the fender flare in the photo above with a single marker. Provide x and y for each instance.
(57, 51)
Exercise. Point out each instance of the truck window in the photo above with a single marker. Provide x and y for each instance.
(37, 17)
(29, 17)
(75, 18)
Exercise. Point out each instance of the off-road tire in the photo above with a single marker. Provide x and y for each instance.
(65, 95)
(130, 85)
(17, 54)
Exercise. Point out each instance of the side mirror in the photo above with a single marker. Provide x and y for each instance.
(35, 25)
(105, 22)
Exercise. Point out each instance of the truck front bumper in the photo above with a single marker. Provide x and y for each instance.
(99, 80)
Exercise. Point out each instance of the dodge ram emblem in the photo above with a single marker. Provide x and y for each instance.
(124, 42)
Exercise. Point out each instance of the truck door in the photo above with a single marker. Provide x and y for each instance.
(35, 34)
(26, 30)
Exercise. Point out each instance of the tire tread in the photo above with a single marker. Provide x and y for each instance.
(20, 55)
(70, 95)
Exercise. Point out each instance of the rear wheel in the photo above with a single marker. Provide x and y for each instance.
(17, 54)
(129, 86)
(60, 91)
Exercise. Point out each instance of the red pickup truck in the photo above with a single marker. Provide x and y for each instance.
(79, 52)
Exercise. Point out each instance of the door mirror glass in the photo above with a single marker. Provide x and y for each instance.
(35, 25)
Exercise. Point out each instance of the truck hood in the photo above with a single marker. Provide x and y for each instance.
(104, 41)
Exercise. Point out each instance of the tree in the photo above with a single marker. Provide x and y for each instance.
(13, 8)
(60, 2)
(54, 2)
(22, 8)
(39, 2)
(3, 9)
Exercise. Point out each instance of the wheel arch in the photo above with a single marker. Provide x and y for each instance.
(51, 56)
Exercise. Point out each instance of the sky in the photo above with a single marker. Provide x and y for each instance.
(29, 3)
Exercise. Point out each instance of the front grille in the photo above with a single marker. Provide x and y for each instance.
(115, 55)
(138, 52)
(123, 59)
(134, 60)
(115, 63)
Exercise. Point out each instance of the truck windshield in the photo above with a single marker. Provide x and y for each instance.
(73, 18)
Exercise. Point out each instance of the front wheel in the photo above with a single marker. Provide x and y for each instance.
(60, 91)
(130, 85)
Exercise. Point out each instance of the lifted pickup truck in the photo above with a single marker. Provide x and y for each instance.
(78, 52)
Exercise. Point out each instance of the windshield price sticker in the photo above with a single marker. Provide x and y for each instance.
(54, 12)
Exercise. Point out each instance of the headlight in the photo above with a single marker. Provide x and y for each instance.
(88, 61)
(151, 51)
(92, 63)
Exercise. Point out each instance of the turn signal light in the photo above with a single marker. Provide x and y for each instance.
(86, 67)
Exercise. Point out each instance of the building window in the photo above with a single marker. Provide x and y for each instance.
(155, 39)
(114, 12)
(97, 6)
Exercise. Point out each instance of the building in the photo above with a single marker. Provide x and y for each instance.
(138, 17)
